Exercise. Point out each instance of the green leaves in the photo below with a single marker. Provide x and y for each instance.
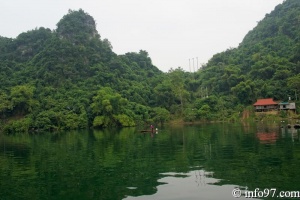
(110, 108)
(99, 121)
(205, 112)
(161, 115)
(244, 91)
(22, 98)
(18, 126)
(124, 120)
(294, 82)
(5, 103)
(178, 86)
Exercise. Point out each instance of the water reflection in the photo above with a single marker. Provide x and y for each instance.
(196, 184)
(290, 133)
(267, 134)
(192, 162)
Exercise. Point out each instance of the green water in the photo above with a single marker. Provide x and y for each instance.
(191, 162)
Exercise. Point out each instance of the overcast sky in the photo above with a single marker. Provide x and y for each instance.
(171, 31)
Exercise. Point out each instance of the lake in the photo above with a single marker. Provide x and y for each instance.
(182, 162)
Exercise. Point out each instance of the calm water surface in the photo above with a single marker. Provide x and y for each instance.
(191, 162)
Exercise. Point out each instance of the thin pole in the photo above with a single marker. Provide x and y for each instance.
(193, 65)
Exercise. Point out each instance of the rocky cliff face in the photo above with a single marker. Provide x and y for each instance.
(77, 26)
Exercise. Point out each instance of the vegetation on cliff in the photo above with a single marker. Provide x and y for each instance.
(70, 78)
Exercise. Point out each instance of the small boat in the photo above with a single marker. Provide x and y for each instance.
(289, 126)
(149, 131)
(145, 131)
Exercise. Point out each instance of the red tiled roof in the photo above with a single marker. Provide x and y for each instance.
(265, 102)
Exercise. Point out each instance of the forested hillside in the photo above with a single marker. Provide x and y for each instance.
(70, 78)
(264, 62)
(265, 65)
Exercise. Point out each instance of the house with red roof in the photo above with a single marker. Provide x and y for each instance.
(263, 105)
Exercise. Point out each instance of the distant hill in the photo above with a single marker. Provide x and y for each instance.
(70, 78)
(265, 61)
(49, 78)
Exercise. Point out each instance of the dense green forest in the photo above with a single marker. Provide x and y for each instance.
(70, 78)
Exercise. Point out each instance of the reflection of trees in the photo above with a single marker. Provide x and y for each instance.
(291, 133)
(113, 164)
(14, 149)
(257, 165)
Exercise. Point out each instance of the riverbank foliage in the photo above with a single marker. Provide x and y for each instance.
(70, 78)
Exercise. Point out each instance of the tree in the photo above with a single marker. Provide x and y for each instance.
(294, 84)
(22, 99)
(178, 86)
(244, 92)
(109, 109)
(161, 115)
(5, 104)
(163, 93)
(204, 112)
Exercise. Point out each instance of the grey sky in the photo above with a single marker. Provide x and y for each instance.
(171, 31)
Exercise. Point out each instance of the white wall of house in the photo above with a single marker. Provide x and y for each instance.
(289, 106)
